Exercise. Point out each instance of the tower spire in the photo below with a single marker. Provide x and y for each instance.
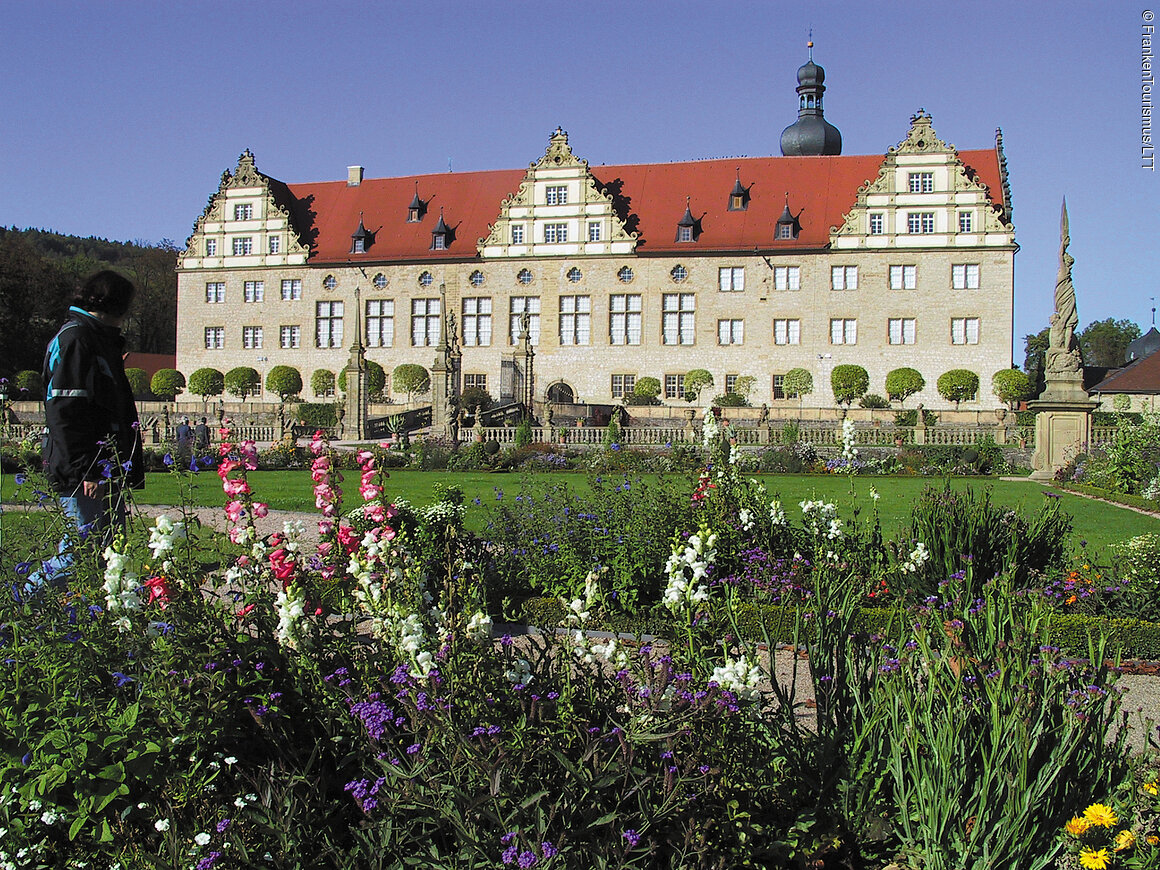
(811, 134)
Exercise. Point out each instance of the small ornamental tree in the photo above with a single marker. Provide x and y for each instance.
(695, 381)
(138, 383)
(28, 381)
(376, 379)
(958, 385)
(412, 379)
(849, 382)
(743, 385)
(645, 392)
(285, 381)
(243, 381)
(1011, 386)
(207, 383)
(322, 382)
(475, 399)
(167, 384)
(903, 383)
(798, 383)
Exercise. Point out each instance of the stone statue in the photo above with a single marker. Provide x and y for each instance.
(548, 414)
(451, 409)
(452, 331)
(763, 417)
(1063, 353)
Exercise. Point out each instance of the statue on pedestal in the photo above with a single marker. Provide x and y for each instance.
(1063, 351)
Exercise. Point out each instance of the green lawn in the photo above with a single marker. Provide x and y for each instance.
(1098, 523)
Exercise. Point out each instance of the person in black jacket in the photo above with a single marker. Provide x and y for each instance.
(93, 450)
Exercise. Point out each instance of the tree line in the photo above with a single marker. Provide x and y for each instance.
(41, 270)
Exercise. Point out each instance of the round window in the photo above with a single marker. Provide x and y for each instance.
(679, 274)
(524, 276)
(380, 280)
(476, 278)
(425, 279)
(574, 275)
(329, 282)
(625, 275)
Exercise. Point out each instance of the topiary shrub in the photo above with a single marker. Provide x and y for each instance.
(903, 383)
(797, 383)
(612, 434)
(138, 383)
(167, 384)
(376, 379)
(412, 379)
(207, 382)
(284, 381)
(696, 380)
(476, 399)
(317, 414)
(322, 382)
(1011, 386)
(243, 381)
(647, 388)
(873, 400)
(958, 385)
(730, 400)
(28, 381)
(849, 382)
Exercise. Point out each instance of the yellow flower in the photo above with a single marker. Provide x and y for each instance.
(1078, 826)
(1124, 840)
(1101, 816)
(1151, 787)
(1094, 859)
(1153, 840)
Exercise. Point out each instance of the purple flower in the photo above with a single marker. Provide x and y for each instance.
(121, 679)
(632, 836)
(22, 568)
(528, 859)
(208, 861)
(168, 460)
(222, 825)
(548, 850)
(509, 854)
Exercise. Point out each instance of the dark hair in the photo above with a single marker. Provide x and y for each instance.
(106, 291)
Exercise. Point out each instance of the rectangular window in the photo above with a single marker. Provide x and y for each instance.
(438, 243)
(477, 321)
(965, 222)
(291, 336)
(730, 384)
(674, 386)
(557, 195)
(731, 279)
(624, 319)
(779, 386)
(684, 234)
(380, 318)
(964, 330)
(243, 211)
(255, 291)
(521, 305)
(965, 276)
(903, 277)
(478, 382)
(730, 331)
(843, 331)
(785, 231)
(678, 318)
(275, 243)
(517, 234)
(215, 291)
(623, 385)
(876, 224)
(787, 332)
(555, 233)
(215, 337)
(425, 317)
(787, 278)
(920, 182)
(211, 247)
(920, 222)
(328, 324)
(901, 330)
(243, 245)
(844, 277)
(575, 320)
(593, 231)
(291, 289)
(252, 337)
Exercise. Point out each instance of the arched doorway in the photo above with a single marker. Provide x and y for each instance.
(561, 394)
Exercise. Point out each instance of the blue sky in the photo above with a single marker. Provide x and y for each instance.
(119, 117)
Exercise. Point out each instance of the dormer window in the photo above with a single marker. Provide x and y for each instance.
(788, 225)
(688, 227)
(417, 209)
(739, 196)
(442, 235)
(360, 239)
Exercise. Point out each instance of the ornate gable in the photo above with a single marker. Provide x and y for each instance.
(559, 209)
(923, 196)
(247, 206)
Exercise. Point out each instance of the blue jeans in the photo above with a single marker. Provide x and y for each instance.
(86, 516)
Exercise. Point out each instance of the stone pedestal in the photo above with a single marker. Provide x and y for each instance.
(1063, 429)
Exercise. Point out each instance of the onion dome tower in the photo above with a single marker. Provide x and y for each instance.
(810, 135)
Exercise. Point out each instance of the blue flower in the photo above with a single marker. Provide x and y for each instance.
(22, 568)
(167, 459)
(122, 679)
(20, 478)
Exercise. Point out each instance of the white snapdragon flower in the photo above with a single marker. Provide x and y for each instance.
(710, 430)
(746, 518)
(479, 627)
(918, 557)
(687, 566)
(164, 534)
(201, 839)
(777, 514)
(291, 607)
(520, 673)
(162, 825)
(738, 677)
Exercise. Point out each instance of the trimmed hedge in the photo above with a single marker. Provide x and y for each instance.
(1071, 632)
(1136, 501)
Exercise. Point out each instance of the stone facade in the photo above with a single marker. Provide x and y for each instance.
(920, 242)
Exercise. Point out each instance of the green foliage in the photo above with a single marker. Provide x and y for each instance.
(873, 400)
(242, 381)
(138, 382)
(849, 382)
(1122, 402)
(1011, 386)
(322, 382)
(30, 382)
(743, 385)
(284, 381)
(167, 384)
(318, 414)
(376, 379)
(1105, 342)
(958, 385)
(730, 400)
(207, 382)
(523, 436)
(696, 380)
(910, 418)
(798, 382)
(1034, 358)
(903, 383)
(646, 388)
(612, 434)
(411, 379)
(476, 399)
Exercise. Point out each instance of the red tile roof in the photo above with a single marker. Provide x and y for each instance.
(651, 196)
(1141, 376)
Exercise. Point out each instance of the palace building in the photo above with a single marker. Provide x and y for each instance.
(743, 267)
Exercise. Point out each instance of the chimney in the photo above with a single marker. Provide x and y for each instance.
(354, 176)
